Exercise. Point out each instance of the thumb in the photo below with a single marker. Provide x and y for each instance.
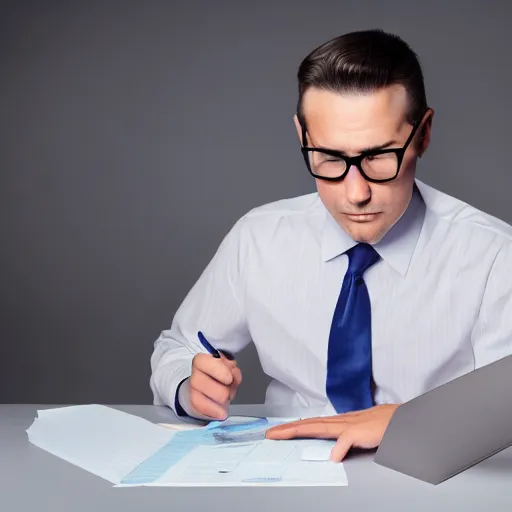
(237, 379)
(237, 376)
(228, 359)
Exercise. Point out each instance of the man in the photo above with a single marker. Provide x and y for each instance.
(360, 296)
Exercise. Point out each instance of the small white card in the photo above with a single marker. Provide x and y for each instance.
(318, 451)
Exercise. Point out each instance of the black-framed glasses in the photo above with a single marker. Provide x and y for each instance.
(377, 166)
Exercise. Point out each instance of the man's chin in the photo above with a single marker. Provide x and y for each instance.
(366, 236)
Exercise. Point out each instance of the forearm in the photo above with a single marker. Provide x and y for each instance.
(214, 305)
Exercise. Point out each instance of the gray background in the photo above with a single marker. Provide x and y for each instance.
(134, 134)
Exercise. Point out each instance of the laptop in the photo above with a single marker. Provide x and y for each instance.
(452, 427)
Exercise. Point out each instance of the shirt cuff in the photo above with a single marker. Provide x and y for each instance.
(180, 398)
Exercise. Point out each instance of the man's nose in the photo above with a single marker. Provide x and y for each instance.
(357, 188)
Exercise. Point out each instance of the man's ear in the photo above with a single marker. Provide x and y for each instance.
(425, 134)
(298, 127)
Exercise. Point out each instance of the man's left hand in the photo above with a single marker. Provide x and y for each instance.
(359, 429)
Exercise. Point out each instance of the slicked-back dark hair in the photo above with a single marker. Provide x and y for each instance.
(362, 62)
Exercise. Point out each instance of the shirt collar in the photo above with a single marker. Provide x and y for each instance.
(396, 247)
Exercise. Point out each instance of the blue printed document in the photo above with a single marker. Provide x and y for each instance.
(130, 451)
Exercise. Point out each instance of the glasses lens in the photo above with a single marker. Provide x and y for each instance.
(380, 167)
(326, 166)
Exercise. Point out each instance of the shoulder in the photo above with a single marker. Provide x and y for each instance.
(292, 206)
(282, 214)
(276, 226)
(463, 217)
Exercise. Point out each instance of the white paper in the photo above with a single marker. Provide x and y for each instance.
(261, 463)
(234, 453)
(104, 441)
(178, 426)
(129, 451)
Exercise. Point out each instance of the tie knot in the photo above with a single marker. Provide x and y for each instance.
(360, 258)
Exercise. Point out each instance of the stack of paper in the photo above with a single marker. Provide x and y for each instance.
(130, 451)
(101, 440)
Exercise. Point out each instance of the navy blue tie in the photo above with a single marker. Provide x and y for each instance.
(349, 362)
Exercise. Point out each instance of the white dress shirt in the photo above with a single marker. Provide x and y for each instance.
(441, 299)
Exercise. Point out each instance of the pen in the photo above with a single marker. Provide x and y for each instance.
(206, 344)
(213, 351)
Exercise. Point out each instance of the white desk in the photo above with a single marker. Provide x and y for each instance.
(32, 479)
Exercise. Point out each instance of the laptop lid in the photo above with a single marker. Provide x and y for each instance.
(452, 427)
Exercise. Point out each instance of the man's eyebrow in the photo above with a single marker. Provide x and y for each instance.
(380, 146)
(364, 150)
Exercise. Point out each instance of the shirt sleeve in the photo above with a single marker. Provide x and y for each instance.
(215, 306)
(492, 333)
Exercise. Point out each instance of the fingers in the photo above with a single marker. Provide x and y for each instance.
(342, 446)
(361, 429)
(328, 427)
(237, 376)
(319, 429)
(209, 397)
(237, 379)
(230, 362)
(213, 385)
(207, 407)
(217, 369)
(209, 387)
(315, 428)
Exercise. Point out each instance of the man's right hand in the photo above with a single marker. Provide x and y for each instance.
(213, 385)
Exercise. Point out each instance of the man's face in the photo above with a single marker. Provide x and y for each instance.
(350, 123)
